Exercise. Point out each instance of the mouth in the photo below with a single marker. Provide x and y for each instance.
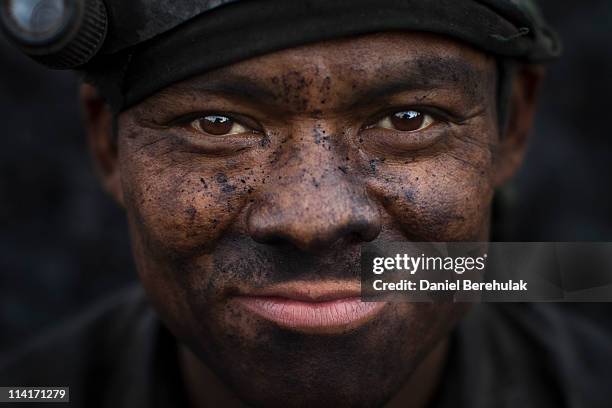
(311, 307)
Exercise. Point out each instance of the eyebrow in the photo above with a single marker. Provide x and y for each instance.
(420, 74)
(235, 85)
(424, 74)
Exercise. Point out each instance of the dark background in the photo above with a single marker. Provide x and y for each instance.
(64, 244)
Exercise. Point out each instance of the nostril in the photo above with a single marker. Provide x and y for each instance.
(367, 230)
(270, 238)
(286, 228)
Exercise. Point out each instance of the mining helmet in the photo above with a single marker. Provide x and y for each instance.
(130, 49)
(60, 34)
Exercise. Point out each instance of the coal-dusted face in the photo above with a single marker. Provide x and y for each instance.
(249, 191)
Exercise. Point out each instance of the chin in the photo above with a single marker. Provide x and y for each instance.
(268, 365)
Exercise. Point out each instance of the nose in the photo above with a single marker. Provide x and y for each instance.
(313, 203)
(315, 222)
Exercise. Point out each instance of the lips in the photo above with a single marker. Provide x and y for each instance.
(319, 307)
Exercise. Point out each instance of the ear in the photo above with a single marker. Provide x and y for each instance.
(521, 113)
(102, 140)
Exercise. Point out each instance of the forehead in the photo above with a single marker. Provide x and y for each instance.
(349, 66)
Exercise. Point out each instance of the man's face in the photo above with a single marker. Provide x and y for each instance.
(250, 189)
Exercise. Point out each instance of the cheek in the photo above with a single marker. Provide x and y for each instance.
(180, 204)
(439, 199)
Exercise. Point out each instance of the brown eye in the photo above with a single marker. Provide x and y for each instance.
(406, 121)
(218, 125)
